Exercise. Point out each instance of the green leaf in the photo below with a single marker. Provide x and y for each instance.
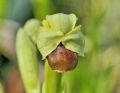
(74, 41)
(28, 62)
(48, 41)
(61, 22)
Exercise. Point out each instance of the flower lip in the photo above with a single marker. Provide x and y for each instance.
(62, 59)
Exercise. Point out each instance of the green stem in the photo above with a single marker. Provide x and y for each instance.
(52, 82)
(1, 88)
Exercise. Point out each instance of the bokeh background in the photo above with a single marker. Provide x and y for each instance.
(97, 71)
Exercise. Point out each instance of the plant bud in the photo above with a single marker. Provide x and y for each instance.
(62, 59)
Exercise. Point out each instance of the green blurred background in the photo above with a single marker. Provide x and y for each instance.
(97, 71)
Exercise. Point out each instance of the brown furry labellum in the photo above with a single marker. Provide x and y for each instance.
(62, 59)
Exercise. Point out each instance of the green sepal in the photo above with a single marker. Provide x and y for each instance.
(60, 28)
(61, 22)
(48, 41)
(74, 41)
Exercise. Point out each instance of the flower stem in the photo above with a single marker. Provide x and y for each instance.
(52, 82)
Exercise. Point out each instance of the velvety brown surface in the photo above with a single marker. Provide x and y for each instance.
(62, 59)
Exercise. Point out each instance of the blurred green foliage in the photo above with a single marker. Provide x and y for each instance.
(3, 8)
(98, 70)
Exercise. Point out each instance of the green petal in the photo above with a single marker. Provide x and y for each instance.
(62, 22)
(48, 41)
(74, 41)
